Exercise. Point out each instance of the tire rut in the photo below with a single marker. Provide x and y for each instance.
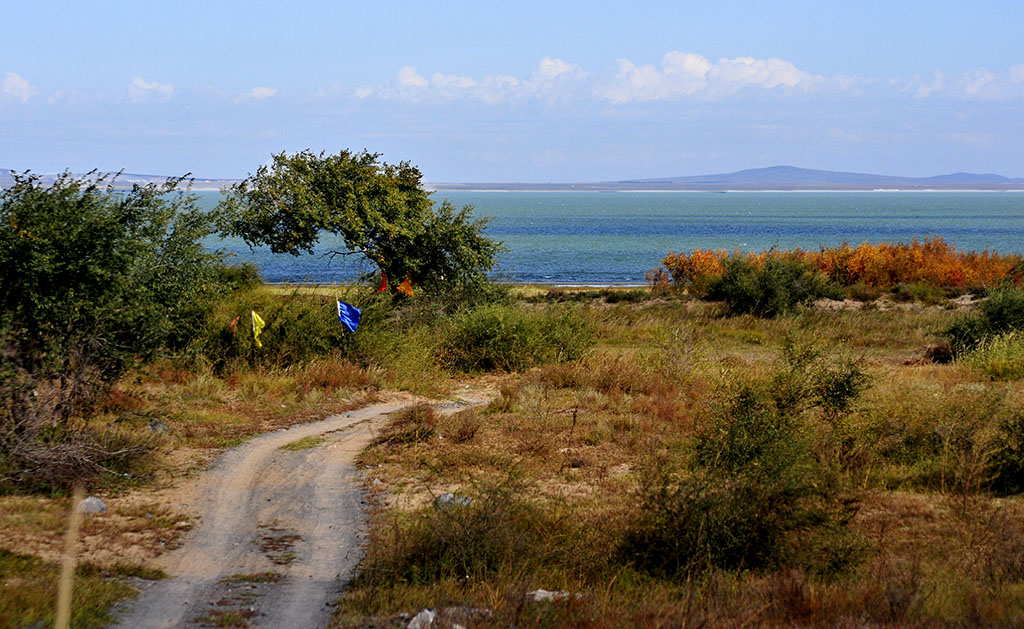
(278, 532)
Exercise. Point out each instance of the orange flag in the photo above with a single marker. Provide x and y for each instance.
(383, 283)
(406, 286)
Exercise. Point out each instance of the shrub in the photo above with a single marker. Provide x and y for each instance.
(93, 282)
(752, 488)
(931, 262)
(753, 482)
(512, 339)
(999, 358)
(918, 291)
(1002, 311)
(301, 326)
(776, 287)
(495, 529)
(1007, 463)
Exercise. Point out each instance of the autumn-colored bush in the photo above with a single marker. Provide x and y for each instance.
(931, 261)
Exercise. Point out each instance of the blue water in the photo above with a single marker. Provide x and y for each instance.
(598, 238)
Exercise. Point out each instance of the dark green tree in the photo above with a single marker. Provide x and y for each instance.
(380, 210)
(93, 281)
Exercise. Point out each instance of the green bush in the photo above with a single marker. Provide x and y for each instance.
(999, 358)
(1007, 464)
(754, 486)
(513, 339)
(1002, 311)
(918, 292)
(300, 327)
(94, 281)
(778, 287)
(494, 528)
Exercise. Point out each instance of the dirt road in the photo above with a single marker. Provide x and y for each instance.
(277, 535)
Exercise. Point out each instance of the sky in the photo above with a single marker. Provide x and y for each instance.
(515, 92)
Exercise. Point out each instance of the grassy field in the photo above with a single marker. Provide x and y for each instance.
(693, 469)
(658, 461)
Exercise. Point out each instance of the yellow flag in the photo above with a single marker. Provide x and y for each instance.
(257, 327)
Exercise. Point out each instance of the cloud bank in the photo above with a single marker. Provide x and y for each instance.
(681, 76)
(14, 87)
(141, 91)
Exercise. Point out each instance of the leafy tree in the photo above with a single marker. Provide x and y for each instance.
(380, 210)
(94, 280)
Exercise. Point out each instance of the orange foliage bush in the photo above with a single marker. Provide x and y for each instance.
(932, 261)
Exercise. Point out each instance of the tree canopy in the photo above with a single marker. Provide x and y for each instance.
(380, 210)
(93, 280)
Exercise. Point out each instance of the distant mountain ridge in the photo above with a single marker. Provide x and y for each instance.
(125, 181)
(770, 178)
(791, 175)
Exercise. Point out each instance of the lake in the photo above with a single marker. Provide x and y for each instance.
(611, 238)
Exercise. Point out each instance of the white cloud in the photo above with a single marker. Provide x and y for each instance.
(768, 73)
(407, 77)
(140, 91)
(259, 92)
(546, 81)
(688, 74)
(451, 81)
(680, 76)
(16, 88)
(978, 84)
(550, 69)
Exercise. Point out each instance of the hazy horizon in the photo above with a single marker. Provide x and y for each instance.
(569, 92)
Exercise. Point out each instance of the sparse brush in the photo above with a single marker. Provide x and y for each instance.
(503, 338)
(498, 527)
(412, 425)
(1002, 311)
(999, 358)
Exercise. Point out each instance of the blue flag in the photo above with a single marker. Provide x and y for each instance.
(349, 316)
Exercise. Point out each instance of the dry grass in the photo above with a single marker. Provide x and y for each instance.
(913, 455)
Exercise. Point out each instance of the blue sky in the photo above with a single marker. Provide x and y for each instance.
(527, 91)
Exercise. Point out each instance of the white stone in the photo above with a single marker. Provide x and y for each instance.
(92, 504)
(422, 620)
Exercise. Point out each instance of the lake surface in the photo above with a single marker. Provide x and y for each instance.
(603, 238)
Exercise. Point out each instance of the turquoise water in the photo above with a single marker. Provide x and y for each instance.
(598, 238)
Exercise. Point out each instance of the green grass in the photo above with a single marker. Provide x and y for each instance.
(1000, 358)
(29, 588)
(303, 444)
(808, 469)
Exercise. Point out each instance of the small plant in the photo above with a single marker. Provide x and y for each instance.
(494, 529)
(1002, 311)
(504, 338)
(777, 286)
(753, 482)
(412, 425)
(1007, 462)
(999, 358)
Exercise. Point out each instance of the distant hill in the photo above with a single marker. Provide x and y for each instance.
(126, 180)
(772, 178)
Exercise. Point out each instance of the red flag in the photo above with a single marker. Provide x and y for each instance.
(383, 283)
(234, 324)
(406, 286)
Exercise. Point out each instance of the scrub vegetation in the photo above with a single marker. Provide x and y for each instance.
(724, 449)
(693, 468)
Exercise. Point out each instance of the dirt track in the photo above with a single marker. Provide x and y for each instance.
(287, 520)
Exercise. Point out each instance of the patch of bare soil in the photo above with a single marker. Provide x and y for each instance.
(277, 530)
